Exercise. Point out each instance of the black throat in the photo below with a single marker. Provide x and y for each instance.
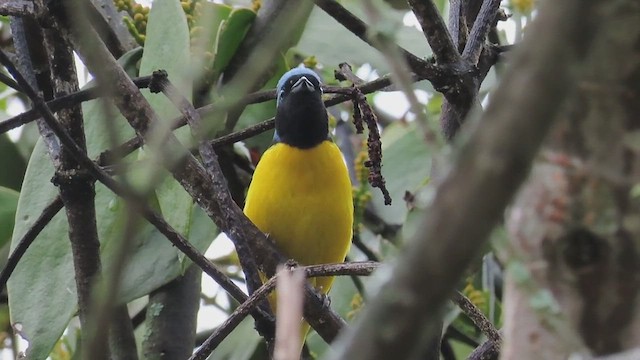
(301, 120)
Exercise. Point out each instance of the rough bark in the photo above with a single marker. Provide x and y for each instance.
(575, 225)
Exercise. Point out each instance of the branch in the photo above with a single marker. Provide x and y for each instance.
(62, 102)
(478, 318)
(363, 113)
(510, 134)
(111, 27)
(462, 97)
(27, 33)
(76, 189)
(435, 31)
(121, 340)
(480, 29)
(345, 73)
(243, 134)
(10, 83)
(20, 8)
(457, 24)
(27, 239)
(357, 241)
(489, 350)
(364, 268)
(289, 312)
(173, 330)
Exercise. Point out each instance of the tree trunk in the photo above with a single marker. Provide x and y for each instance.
(575, 226)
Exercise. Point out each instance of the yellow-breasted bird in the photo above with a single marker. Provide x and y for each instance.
(301, 193)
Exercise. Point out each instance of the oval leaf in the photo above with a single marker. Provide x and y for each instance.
(168, 48)
(231, 34)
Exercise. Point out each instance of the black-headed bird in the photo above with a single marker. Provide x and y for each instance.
(300, 193)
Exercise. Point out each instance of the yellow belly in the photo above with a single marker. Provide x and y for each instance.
(302, 199)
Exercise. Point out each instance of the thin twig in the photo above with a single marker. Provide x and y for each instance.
(222, 331)
(345, 73)
(357, 241)
(374, 146)
(489, 350)
(478, 318)
(27, 239)
(61, 103)
(357, 282)
(7, 80)
(243, 134)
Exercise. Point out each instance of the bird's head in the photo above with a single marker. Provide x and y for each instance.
(301, 118)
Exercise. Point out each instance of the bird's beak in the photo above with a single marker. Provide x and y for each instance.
(303, 84)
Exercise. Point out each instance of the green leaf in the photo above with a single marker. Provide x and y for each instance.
(441, 4)
(206, 32)
(460, 349)
(8, 205)
(240, 344)
(167, 47)
(406, 164)
(232, 32)
(41, 289)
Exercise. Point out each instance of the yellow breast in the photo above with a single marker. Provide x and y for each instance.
(302, 199)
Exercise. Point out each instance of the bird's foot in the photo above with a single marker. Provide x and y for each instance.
(326, 300)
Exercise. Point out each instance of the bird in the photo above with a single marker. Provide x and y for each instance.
(301, 193)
